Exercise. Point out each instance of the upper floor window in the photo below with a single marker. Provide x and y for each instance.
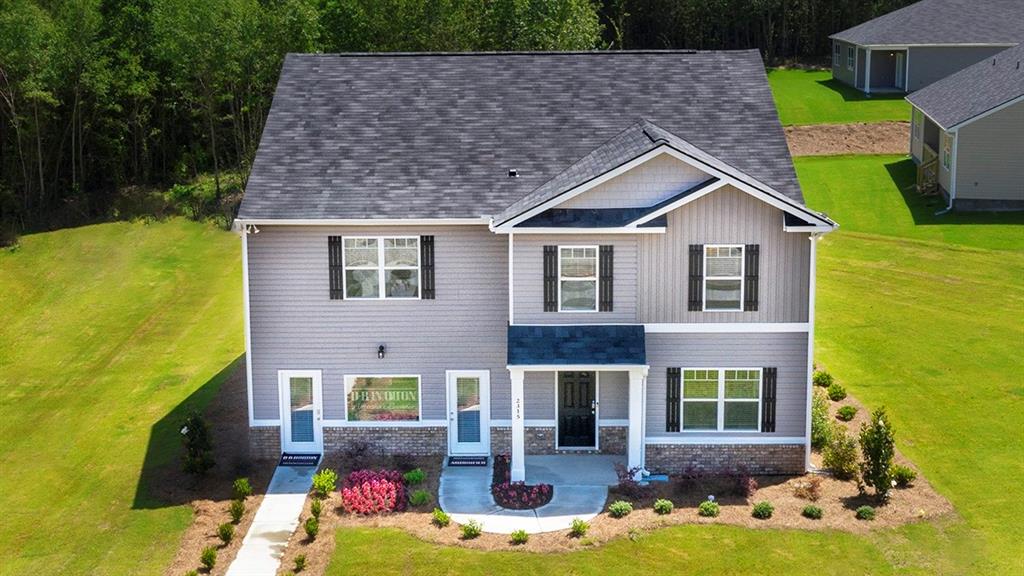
(851, 55)
(723, 278)
(382, 267)
(577, 278)
(837, 54)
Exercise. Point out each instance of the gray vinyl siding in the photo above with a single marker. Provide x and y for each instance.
(785, 351)
(645, 185)
(916, 134)
(929, 64)
(294, 325)
(528, 279)
(990, 156)
(613, 395)
(839, 70)
(538, 396)
(726, 216)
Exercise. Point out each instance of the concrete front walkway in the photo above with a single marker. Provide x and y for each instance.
(580, 490)
(275, 521)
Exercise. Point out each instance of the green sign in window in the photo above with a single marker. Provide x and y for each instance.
(383, 398)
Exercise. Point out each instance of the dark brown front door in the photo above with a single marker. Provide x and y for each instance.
(577, 409)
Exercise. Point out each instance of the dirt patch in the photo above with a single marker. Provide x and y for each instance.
(858, 138)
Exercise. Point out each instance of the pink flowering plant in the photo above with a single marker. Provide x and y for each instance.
(369, 492)
(516, 495)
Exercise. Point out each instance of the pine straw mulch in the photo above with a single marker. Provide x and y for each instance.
(856, 138)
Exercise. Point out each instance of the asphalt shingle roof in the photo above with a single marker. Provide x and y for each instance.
(581, 344)
(974, 90)
(434, 135)
(943, 22)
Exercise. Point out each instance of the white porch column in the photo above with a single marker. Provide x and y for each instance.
(867, 71)
(635, 444)
(518, 426)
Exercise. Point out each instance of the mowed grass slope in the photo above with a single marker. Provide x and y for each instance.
(104, 330)
(813, 97)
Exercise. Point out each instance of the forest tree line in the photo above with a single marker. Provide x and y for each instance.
(100, 97)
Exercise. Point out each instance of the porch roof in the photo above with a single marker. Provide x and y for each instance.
(597, 344)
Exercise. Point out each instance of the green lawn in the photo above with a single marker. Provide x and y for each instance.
(104, 331)
(813, 97)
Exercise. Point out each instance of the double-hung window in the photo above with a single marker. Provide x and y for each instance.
(723, 278)
(837, 54)
(577, 278)
(721, 400)
(386, 267)
(851, 55)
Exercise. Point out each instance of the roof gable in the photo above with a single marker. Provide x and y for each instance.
(942, 22)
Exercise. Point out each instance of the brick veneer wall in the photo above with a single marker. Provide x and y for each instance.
(716, 458)
(614, 439)
(265, 442)
(426, 441)
(541, 439)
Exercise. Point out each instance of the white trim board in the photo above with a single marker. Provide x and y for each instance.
(727, 328)
(622, 230)
(334, 423)
(248, 333)
(545, 423)
(478, 221)
(732, 441)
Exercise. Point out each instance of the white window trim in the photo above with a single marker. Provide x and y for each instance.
(743, 272)
(947, 153)
(720, 401)
(851, 58)
(597, 279)
(350, 380)
(837, 55)
(382, 269)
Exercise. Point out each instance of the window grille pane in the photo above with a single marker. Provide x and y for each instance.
(722, 295)
(579, 295)
(361, 283)
(740, 416)
(741, 388)
(361, 252)
(402, 283)
(700, 388)
(700, 415)
(401, 252)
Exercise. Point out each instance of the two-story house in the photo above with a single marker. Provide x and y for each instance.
(472, 254)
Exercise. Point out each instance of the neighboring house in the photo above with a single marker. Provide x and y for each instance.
(908, 49)
(471, 254)
(967, 134)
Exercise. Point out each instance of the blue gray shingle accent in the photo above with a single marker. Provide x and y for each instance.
(942, 22)
(595, 344)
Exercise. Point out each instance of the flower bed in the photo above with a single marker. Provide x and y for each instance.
(516, 495)
(373, 492)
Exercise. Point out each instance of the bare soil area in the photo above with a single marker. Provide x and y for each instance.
(858, 138)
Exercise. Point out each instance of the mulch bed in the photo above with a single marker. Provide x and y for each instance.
(857, 138)
(516, 495)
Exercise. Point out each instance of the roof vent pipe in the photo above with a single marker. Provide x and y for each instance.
(513, 173)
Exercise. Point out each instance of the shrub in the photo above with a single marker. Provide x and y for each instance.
(619, 509)
(663, 506)
(763, 510)
(242, 488)
(413, 477)
(373, 492)
(300, 562)
(316, 507)
(841, 455)
(440, 518)
(471, 530)
(192, 573)
(808, 488)
(420, 498)
(208, 558)
(237, 510)
(865, 513)
(744, 486)
(878, 444)
(195, 435)
(822, 378)
(356, 454)
(821, 424)
(836, 392)
(312, 527)
(903, 476)
(813, 512)
(846, 413)
(226, 532)
(628, 485)
(324, 482)
(709, 509)
(519, 537)
(579, 528)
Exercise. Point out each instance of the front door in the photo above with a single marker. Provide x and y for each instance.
(469, 430)
(300, 411)
(901, 71)
(577, 409)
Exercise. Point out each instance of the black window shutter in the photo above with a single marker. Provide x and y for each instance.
(673, 387)
(335, 268)
(696, 286)
(427, 267)
(752, 255)
(768, 386)
(606, 287)
(551, 279)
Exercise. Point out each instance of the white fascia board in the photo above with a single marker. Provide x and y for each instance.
(365, 221)
(623, 230)
(726, 328)
(725, 440)
(689, 198)
(575, 367)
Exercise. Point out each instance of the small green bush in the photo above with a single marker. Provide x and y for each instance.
(619, 509)
(822, 378)
(865, 513)
(242, 488)
(312, 527)
(841, 455)
(195, 435)
(413, 477)
(903, 476)
(420, 498)
(208, 558)
(836, 392)
(519, 537)
(324, 482)
(821, 424)
(763, 510)
(192, 573)
(663, 506)
(226, 532)
(579, 528)
(846, 413)
(471, 530)
(316, 507)
(300, 562)
(709, 509)
(878, 445)
(813, 512)
(440, 518)
(237, 510)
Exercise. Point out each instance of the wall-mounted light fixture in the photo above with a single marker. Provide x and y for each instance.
(380, 352)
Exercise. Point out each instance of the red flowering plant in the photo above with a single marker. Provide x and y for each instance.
(373, 492)
(516, 495)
